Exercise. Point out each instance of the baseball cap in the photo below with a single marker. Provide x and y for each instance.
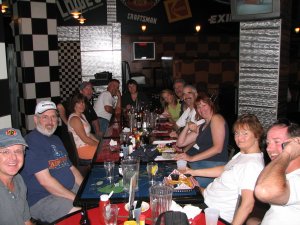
(11, 136)
(84, 84)
(43, 106)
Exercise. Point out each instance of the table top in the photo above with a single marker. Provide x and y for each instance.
(94, 217)
(95, 184)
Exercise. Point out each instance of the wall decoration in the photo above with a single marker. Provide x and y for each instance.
(177, 10)
(140, 5)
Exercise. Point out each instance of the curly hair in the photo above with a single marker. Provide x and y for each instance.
(251, 122)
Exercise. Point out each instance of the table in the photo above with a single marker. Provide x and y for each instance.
(96, 184)
(94, 217)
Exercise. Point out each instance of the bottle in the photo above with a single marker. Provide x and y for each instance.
(142, 219)
(124, 147)
(84, 217)
(121, 153)
(104, 201)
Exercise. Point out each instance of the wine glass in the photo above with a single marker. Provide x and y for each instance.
(109, 170)
(152, 168)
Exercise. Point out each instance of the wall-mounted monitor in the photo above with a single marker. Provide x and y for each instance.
(246, 10)
(143, 50)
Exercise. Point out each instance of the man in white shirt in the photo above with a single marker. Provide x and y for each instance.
(278, 183)
(106, 105)
(189, 96)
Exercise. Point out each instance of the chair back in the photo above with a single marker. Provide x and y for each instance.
(231, 151)
(78, 160)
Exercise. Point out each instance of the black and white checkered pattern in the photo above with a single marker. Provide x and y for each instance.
(70, 68)
(37, 55)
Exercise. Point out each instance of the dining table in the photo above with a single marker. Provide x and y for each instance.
(93, 214)
(95, 182)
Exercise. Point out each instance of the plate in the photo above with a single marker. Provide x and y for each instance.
(184, 183)
(163, 142)
(145, 206)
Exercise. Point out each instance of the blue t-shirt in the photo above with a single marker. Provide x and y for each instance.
(45, 152)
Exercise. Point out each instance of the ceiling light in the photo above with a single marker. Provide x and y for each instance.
(297, 30)
(197, 28)
(4, 8)
(75, 14)
(143, 27)
(81, 19)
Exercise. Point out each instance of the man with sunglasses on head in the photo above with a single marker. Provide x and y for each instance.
(51, 179)
(13, 204)
(279, 183)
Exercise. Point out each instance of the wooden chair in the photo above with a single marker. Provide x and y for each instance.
(78, 160)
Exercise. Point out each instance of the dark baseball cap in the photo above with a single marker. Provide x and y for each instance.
(11, 136)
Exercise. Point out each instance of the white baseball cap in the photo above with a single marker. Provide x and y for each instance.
(43, 106)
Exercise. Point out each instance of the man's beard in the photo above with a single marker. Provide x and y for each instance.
(45, 131)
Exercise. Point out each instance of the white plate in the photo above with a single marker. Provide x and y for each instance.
(160, 158)
(145, 206)
(163, 142)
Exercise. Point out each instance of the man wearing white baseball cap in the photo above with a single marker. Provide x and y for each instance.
(51, 178)
(13, 204)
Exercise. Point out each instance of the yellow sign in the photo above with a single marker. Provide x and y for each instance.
(177, 10)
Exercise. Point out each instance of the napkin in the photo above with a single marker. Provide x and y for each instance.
(113, 142)
(190, 210)
(126, 130)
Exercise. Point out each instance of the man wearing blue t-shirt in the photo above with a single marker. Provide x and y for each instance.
(51, 179)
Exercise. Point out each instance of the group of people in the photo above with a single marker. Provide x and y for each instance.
(48, 182)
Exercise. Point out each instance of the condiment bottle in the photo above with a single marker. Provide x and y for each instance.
(104, 201)
(142, 219)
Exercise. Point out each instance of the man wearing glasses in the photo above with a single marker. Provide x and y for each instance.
(51, 179)
(279, 183)
(13, 204)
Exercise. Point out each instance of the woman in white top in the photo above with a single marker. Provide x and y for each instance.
(238, 176)
(85, 142)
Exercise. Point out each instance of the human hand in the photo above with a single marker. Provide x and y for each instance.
(173, 134)
(292, 147)
(166, 114)
(193, 127)
(183, 156)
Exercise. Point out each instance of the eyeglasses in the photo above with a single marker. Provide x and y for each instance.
(48, 118)
(240, 133)
(7, 152)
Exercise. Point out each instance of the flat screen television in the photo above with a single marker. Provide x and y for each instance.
(143, 50)
(245, 10)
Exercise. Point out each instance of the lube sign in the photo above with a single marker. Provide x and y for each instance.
(66, 7)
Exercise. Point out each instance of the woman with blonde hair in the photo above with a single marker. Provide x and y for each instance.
(86, 142)
(171, 105)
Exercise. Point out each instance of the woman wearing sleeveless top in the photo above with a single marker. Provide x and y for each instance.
(85, 142)
(171, 105)
(211, 138)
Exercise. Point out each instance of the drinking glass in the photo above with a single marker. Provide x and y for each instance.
(109, 170)
(160, 199)
(130, 167)
(152, 168)
(211, 216)
(110, 214)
